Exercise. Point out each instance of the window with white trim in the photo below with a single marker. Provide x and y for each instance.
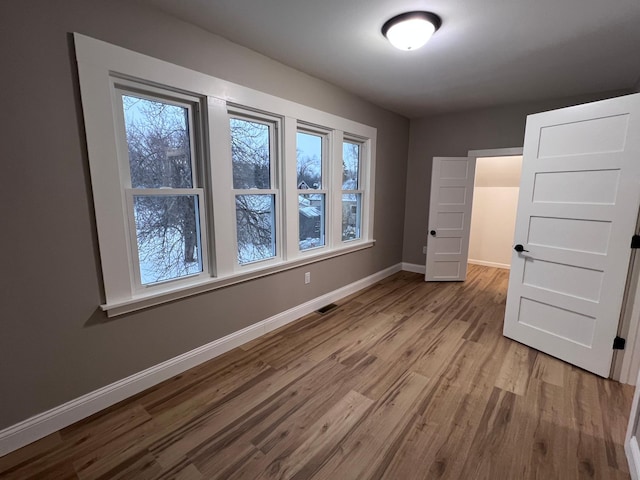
(200, 183)
(311, 169)
(351, 190)
(158, 135)
(255, 186)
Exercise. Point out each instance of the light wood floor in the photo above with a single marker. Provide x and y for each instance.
(405, 380)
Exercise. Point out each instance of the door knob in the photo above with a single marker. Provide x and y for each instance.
(519, 248)
(433, 233)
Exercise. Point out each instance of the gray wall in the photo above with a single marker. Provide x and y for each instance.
(55, 344)
(453, 135)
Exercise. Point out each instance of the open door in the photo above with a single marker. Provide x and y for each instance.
(449, 218)
(577, 211)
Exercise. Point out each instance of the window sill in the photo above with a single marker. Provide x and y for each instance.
(142, 301)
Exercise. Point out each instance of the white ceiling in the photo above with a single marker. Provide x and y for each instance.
(487, 52)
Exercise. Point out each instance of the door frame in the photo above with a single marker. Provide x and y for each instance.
(493, 152)
(626, 363)
(472, 155)
(631, 440)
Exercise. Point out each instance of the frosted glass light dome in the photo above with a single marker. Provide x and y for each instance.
(411, 30)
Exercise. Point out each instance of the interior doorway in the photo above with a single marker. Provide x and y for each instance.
(493, 214)
(450, 207)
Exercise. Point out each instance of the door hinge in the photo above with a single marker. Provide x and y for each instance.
(635, 241)
(618, 343)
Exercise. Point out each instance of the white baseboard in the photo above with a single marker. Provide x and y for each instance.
(489, 264)
(48, 422)
(412, 267)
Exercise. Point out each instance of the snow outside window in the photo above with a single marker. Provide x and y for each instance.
(158, 135)
(312, 191)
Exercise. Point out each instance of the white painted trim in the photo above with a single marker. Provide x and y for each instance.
(496, 152)
(201, 286)
(48, 422)
(489, 264)
(631, 441)
(628, 360)
(633, 458)
(101, 66)
(412, 267)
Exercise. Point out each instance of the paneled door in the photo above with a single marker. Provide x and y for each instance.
(577, 212)
(449, 218)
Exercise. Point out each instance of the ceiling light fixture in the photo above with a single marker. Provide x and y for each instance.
(411, 30)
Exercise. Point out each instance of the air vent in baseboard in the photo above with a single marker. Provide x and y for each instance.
(326, 308)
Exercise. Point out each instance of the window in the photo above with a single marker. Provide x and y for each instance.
(351, 191)
(200, 183)
(253, 155)
(159, 133)
(312, 193)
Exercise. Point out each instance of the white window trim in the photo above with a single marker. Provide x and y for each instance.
(138, 287)
(326, 189)
(359, 190)
(120, 87)
(98, 63)
(275, 179)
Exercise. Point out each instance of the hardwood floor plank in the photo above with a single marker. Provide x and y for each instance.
(360, 454)
(398, 337)
(84, 440)
(436, 347)
(109, 458)
(614, 399)
(489, 440)
(193, 432)
(587, 419)
(320, 439)
(274, 420)
(51, 471)
(549, 370)
(516, 369)
(186, 471)
(414, 455)
(359, 338)
(142, 467)
(546, 442)
(213, 381)
(404, 380)
(34, 450)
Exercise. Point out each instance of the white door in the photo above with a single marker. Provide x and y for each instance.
(577, 212)
(449, 218)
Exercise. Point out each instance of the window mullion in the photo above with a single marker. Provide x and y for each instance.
(290, 200)
(367, 181)
(166, 191)
(336, 193)
(255, 191)
(221, 178)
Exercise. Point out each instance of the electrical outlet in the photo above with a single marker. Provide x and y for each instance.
(307, 277)
(424, 249)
